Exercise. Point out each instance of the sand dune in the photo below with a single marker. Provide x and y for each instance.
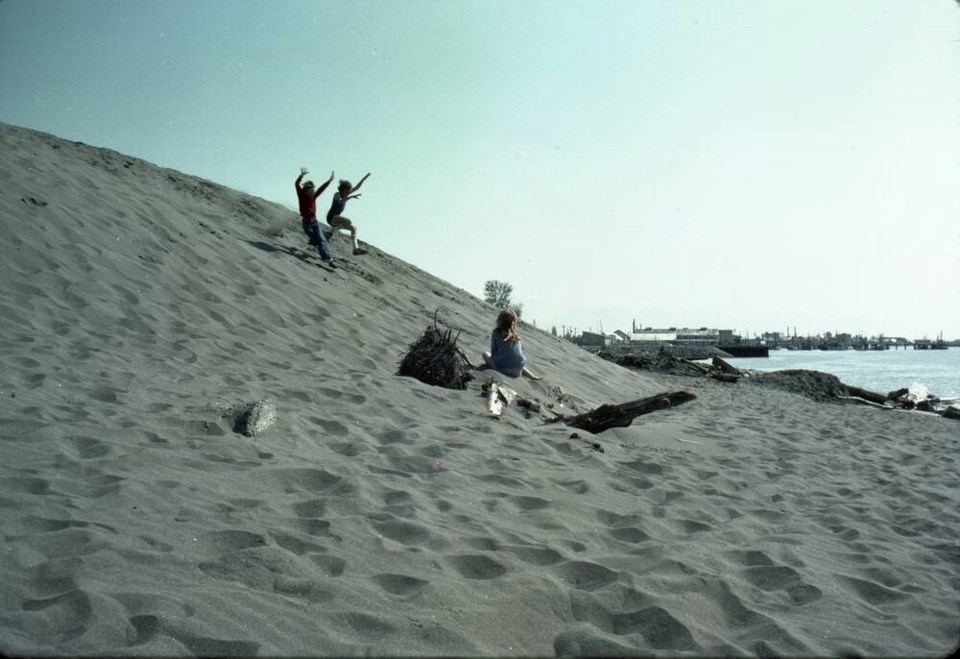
(140, 306)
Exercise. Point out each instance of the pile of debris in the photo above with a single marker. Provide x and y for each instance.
(812, 384)
(435, 359)
(662, 361)
(815, 385)
(825, 387)
(596, 421)
(917, 397)
(659, 361)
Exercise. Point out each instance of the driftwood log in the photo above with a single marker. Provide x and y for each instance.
(865, 401)
(497, 396)
(703, 368)
(871, 396)
(621, 416)
(725, 366)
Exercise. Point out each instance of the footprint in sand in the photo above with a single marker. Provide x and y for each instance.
(145, 627)
(761, 571)
(88, 448)
(583, 575)
(67, 616)
(295, 545)
(576, 486)
(646, 468)
(526, 503)
(334, 428)
(223, 542)
(394, 436)
(318, 528)
(307, 480)
(35, 524)
(397, 498)
(53, 578)
(361, 625)
(482, 543)
(476, 566)
(500, 479)
(25, 485)
(347, 449)
(400, 585)
(630, 534)
(772, 577)
(312, 508)
(871, 592)
(404, 532)
(658, 628)
(332, 566)
(537, 555)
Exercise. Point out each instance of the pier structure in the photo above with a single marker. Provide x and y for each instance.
(927, 344)
(710, 341)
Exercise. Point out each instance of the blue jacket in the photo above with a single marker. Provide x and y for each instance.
(507, 355)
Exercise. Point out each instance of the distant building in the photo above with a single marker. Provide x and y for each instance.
(772, 338)
(653, 335)
(685, 335)
(592, 339)
(597, 340)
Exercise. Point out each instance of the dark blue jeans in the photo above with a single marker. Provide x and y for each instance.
(312, 228)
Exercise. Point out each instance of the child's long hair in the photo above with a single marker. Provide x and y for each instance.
(507, 325)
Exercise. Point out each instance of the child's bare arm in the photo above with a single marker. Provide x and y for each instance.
(357, 186)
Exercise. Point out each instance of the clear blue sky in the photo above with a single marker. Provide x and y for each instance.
(739, 164)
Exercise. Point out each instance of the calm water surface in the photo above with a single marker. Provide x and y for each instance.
(881, 371)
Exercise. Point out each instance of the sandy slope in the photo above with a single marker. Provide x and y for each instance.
(380, 515)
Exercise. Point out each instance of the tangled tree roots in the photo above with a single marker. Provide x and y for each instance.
(435, 359)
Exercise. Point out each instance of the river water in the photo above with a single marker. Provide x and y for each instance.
(881, 371)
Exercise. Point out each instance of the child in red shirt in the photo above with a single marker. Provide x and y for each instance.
(307, 198)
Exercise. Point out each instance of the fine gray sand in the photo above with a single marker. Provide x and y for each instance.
(378, 515)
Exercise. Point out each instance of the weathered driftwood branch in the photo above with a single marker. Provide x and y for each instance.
(620, 416)
(725, 366)
(497, 397)
(864, 401)
(726, 377)
(724, 371)
(914, 399)
(703, 368)
(871, 396)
